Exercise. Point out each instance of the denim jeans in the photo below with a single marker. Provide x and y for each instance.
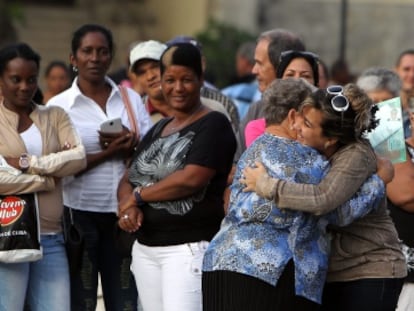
(100, 256)
(44, 283)
(169, 277)
(362, 295)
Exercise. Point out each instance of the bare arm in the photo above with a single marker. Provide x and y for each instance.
(179, 184)
(400, 189)
(120, 145)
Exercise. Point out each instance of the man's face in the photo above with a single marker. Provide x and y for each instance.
(405, 70)
(148, 76)
(263, 68)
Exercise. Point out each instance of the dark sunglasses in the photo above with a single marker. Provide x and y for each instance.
(298, 54)
(339, 102)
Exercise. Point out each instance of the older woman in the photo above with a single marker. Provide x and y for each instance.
(284, 267)
(40, 143)
(292, 64)
(172, 192)
(379, 83)
(92, 100)
(366, 264)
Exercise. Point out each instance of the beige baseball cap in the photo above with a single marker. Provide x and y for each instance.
(146, 50)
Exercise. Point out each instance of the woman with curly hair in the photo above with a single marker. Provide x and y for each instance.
(366, 263)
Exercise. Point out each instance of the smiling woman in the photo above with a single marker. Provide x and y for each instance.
(42, 146)
(366, 262)
(172, 194)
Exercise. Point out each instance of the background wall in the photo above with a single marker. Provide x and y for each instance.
(377, 30)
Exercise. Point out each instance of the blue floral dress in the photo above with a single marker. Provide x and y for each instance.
(258, 239)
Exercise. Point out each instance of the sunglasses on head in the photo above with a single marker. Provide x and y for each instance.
(298, 54)
(339, 102)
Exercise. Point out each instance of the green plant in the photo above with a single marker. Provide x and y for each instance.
(220, 42)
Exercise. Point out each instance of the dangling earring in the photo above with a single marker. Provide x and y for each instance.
(75, 69)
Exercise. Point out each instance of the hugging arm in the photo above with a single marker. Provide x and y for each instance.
(368, 198)
(350, 167)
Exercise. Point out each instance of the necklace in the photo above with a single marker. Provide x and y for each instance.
(186, 120)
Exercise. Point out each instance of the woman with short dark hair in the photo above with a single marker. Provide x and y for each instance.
(172, 194)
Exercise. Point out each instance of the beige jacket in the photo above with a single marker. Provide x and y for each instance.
(367, 248)
(45, 171)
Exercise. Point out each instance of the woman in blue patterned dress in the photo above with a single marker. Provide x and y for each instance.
(265, 258)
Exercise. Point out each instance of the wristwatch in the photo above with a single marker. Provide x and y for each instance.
(24, 162)
(137, 194)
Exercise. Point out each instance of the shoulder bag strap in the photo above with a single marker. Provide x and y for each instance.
(131, 117)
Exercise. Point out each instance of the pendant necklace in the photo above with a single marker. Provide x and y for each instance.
(187, 120)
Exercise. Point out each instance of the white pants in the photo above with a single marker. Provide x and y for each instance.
(406, 300)
(168, 278)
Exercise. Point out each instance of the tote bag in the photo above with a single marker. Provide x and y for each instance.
(19, 228)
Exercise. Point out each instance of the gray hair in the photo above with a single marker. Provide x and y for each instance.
(282, 96)
(281, 40)
(377, 78)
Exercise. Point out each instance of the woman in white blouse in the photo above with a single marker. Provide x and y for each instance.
(91, 100)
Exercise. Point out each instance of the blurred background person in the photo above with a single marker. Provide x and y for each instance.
(340, 73)
(57, 79)
(270, 45)
(323, 75)
(244, 86)
(379, 83)
(93, 99)
(292, 64)
(382, 84)
(404, 67)
(299, 65)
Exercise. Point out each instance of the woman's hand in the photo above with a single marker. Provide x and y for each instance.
(122, 143)
(131, 219)
(130, 215)
(251, 175)
(385, 169)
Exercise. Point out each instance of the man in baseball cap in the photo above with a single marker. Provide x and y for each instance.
(145, 66)
(144, 61)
